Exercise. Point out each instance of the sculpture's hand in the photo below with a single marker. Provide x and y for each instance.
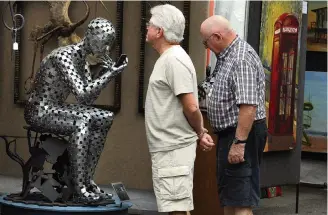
(85, 93)
(107, 63)
(120, 68)
(113, 70)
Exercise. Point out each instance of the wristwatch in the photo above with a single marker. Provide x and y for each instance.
(237, 141)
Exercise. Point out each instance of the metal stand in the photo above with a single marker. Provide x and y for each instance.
(55, 195)
(301, 80)
(54, 185)
(297, 197)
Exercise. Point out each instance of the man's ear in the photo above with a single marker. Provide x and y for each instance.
(219, 36)
(160, 32)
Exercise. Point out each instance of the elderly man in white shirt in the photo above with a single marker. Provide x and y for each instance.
(173, 120)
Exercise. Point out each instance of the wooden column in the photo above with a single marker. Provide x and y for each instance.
(206, 200)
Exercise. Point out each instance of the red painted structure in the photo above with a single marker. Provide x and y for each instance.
(283, 75)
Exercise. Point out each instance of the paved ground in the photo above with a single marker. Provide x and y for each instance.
(314, 171)
(313, 200)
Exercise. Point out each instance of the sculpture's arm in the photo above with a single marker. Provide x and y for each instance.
(88, 72)
(85, 90)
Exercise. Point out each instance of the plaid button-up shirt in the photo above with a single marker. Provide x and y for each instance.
(238, 78)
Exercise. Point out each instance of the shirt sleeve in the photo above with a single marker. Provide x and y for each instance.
(245, 81)
(179, 77)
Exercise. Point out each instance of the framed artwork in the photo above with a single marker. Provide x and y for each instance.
(236, 13)
(314, 137)
(146, 64)
(317, 26)
(279, 52)
(315, 112)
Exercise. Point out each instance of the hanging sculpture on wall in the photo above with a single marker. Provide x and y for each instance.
(59, 26)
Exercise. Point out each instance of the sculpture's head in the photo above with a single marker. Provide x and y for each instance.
(99, 37)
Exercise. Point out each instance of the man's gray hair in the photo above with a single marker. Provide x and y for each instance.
(172, 21)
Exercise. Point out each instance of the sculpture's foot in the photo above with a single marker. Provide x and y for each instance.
(96, 190)
(81, 199)
(85, 197)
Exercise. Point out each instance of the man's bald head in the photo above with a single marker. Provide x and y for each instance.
(217, 33)
(215, 24)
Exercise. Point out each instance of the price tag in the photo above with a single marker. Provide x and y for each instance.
(15, 46)
(304, 7)
(120, 191)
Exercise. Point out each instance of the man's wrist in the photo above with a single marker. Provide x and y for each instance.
(239, 141)
(201, 133)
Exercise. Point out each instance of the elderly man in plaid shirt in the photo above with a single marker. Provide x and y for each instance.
(236, 110)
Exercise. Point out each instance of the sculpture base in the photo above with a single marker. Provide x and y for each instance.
(36, 198)
(10, 207)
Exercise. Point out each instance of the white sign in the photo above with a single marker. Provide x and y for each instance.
(304, 7)
(289, 30)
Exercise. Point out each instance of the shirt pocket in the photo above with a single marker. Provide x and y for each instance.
(222, 88)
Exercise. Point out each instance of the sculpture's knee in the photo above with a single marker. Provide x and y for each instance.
(107, 119)
(102, 119)
(86, 120)
(31, 115)
(83, 123)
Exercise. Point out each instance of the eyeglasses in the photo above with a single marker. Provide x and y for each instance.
(148, 24)
(206, 40)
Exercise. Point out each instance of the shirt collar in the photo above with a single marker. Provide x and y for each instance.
(225, 52)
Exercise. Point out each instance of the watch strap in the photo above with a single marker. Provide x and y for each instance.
(237, 141)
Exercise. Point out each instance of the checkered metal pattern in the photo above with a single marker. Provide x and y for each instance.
(238, 78)
(100, 35)
(65, 71)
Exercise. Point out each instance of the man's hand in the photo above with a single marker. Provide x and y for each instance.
(236, 153)
(206, 142)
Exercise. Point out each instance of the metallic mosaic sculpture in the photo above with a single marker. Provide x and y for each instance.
(64, 71)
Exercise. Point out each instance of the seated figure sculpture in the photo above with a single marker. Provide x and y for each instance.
(64, 71)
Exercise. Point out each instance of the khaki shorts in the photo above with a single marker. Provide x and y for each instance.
(173, 173)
